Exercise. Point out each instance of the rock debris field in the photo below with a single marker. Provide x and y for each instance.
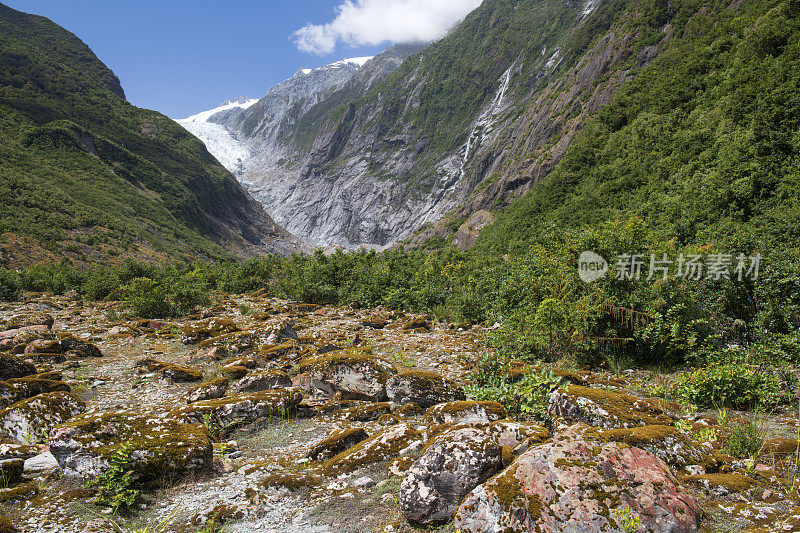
(265, 415)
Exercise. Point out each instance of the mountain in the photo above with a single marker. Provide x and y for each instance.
(86, 175)
(434, 138)
(274, 134)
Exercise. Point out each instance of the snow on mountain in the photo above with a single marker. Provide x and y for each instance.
(357, 61)
(218, 140)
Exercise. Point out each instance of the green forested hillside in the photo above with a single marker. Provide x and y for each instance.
(86, 174)
(703, 145)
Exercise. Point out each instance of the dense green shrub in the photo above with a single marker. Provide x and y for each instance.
(147, 298)
(10, 285)
(732, 385)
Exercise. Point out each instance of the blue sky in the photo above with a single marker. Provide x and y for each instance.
(183, 56)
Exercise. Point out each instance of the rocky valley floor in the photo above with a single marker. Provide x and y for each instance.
(266, 415)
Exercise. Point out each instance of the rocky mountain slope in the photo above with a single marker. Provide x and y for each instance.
(86, 175)
(462, 127)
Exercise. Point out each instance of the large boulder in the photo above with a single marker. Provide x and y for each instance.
(160, 446)
(262, 380)
(210, 390)
(337, 442)
(571, 485)
(12, 366)
(391, 442)
(354, 373)
(423, 388)
(241, 408)
(464, 412)
(605, 409)
(454, 464)
(668, 444)
(29, 421)
(18, 389)
(204, 329)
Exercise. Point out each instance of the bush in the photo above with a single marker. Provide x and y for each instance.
(728, 385)
(526, 398)
(10, 285)
(147, 298)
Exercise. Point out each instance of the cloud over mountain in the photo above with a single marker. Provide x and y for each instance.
(371, 22)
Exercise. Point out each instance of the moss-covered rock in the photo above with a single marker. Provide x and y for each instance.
(11, 471)
(261, 380)
(357, 375)
(29, 421)
(570, 484)
(602, 408)
(180, 374)
(363, 413)
(233, 372)
(464, 412)
(423, 388)
(337, 442)
(668, 444)
(241, 408)
(44, 346)
(203, 329)
(382, 446)
(12, 366)
(512, 434)
(294, 480)
(25, 491)
(7, 526)
(161, 446)
(210, 390)
(454, 464)
(17, 451)
(17, 389)
(78, 347)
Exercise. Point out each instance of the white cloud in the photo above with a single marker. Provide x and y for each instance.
(371, 22)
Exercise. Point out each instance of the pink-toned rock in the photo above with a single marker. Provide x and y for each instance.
(572, 485)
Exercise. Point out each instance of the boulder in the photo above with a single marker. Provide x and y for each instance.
(512, 434)
(11, 471)
(210, 390)
(17, 451)
(160, 446)
(17, 389)
(605, 409)
(13, 367)
(464, 412)
(388, 444)
(30, 420)
(282, 332)
(337, 442)
(203, 329)
(25, 321)
(79, 348)
(264, 380)
(423, 388)
(44, 346)
(7, 526)
(180, 374)
(668, 444)
(572, 485)
(40, 464)
(354, 373)
(241, 408)
(363, 413)
(454, 464)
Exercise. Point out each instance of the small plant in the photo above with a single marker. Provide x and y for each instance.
(746, 441)
(626, 519)
(160, 527)
(245, 309)
(115, 486)
(215, 428)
